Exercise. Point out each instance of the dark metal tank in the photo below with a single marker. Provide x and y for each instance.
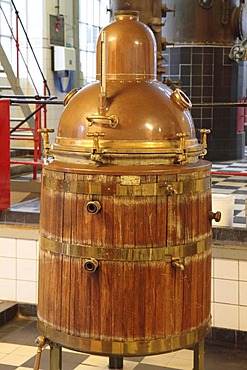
(212, 22)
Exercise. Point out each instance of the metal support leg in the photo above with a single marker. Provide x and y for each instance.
(55, 357)
(115, 362)
(40, 341)
(199, 356)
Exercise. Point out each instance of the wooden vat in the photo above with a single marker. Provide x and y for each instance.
(152, 239)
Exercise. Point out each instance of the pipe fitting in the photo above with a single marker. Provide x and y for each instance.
(177, 263)
(91, 265)
(93, 206)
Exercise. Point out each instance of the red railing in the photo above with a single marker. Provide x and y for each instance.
(40, 118)
(35, 137)
(39, 123)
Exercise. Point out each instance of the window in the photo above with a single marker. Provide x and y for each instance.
(93, 17)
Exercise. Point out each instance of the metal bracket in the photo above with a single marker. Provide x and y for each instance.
(47, 145)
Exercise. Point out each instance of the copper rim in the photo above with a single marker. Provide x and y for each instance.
(125, 348)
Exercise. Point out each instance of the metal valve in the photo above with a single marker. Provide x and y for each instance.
(204, 132)
(181, 154)
(156, 24)
(46, 140)
(95, 153)
(165, 10)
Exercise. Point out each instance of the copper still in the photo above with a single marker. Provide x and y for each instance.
(206, 22)
(125, 223)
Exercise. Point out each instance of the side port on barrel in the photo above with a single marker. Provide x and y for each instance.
(91, 265)
(93, 207)
(177, 263)
(215, 216)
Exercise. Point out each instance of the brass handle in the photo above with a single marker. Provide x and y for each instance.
(70, 96)
(112, 120)
(215, 216)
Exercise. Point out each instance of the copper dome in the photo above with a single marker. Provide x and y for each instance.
(128, 110)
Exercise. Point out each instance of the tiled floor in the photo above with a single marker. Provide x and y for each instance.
(18, 351)
(234, 184)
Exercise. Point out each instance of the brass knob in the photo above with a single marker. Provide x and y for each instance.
(215, 216)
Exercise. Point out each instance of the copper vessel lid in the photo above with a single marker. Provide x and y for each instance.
(127, 111)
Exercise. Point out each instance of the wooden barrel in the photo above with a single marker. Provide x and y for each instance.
(147, 234)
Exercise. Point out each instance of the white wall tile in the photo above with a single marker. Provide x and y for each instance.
(37, 249)
(7, 268)
(243, 270)
(7, 247)
(226, 316)
(8, 290)
(212, 290)
(26, 249)
(226, 291)
(26, 292)
(226, 269)
(243, 318)
(26, 270)
(243, 293)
